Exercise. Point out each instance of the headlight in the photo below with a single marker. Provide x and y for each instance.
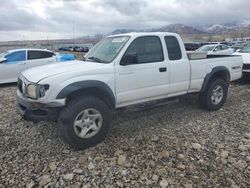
(31, 91)
(36, 91)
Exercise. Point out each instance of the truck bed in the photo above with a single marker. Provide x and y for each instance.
(201, 67)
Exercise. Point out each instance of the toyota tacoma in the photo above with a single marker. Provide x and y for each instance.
(121, 70)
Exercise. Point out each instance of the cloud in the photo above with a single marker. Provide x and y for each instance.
(13, 18)
(68, 18)
(125, 7)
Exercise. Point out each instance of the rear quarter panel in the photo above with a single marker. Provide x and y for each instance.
(201, 67)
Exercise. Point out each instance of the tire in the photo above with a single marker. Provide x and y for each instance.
(70, 116)
(207, 98)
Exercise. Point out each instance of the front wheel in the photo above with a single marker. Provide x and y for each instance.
(84, 122)
(215, 95)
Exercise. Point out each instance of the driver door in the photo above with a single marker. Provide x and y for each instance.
(147, 78)
(13, 66)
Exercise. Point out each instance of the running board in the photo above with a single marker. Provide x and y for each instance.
(151, 104)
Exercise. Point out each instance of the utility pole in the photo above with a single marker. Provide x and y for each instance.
(47, 41)
(74, 33)
(23, 41)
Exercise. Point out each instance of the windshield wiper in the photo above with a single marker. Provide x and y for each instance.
(96, 59)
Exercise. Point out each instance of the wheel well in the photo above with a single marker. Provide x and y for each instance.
(96, 92)
(224, 75)
(221, 74)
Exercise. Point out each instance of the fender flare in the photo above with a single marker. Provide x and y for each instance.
(215, 70)
(103, 90)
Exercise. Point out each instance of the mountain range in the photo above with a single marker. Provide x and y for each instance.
(213, 29)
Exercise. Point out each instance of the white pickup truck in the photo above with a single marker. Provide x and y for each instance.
(120, 70)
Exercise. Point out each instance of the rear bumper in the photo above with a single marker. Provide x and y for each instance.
(33, 111)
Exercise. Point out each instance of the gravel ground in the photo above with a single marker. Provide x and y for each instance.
(173, 145)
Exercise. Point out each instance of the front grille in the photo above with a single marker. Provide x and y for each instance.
(246, 67)
(20, 85)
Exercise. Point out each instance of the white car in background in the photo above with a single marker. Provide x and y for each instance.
(13, 62)
(245, 53)
(216, 49)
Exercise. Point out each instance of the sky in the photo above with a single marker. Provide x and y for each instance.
(54, 19)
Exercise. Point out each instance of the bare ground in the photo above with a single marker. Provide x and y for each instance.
(174, 145)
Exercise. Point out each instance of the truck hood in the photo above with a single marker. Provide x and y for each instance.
(245, 57)
(37, 74)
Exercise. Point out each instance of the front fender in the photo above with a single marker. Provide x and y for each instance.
(103, 89)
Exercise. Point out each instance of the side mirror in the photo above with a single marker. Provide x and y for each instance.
(129, 59)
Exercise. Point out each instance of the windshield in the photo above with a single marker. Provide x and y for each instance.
(245, 49)
(107, 49)
(206, 48)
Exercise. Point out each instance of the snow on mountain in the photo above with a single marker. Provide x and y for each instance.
(179, 28)
(217, 28)
(228, 27)
(175, 28)
(245, 23)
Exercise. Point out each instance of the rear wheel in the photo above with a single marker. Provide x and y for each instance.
(84, 122)
(215, 95)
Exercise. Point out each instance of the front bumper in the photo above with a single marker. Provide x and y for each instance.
(32, 110)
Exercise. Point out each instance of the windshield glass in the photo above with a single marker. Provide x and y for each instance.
(245, 49)
(206, 48)
(107, 49)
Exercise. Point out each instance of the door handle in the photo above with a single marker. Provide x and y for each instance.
(163, 69)
(22, 63)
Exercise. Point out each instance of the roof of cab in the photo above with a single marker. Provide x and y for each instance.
(135, 34)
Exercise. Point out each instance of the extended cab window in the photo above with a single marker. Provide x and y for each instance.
(32, 54)
(173, 46)
(16, 56)
(148, 49)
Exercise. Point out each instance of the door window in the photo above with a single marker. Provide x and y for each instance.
(173, 46)
(148, 49)
(218, 48)
(224, 47)
(32, 54)
(16, 56)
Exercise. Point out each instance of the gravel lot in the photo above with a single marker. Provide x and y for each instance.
(173, 145)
